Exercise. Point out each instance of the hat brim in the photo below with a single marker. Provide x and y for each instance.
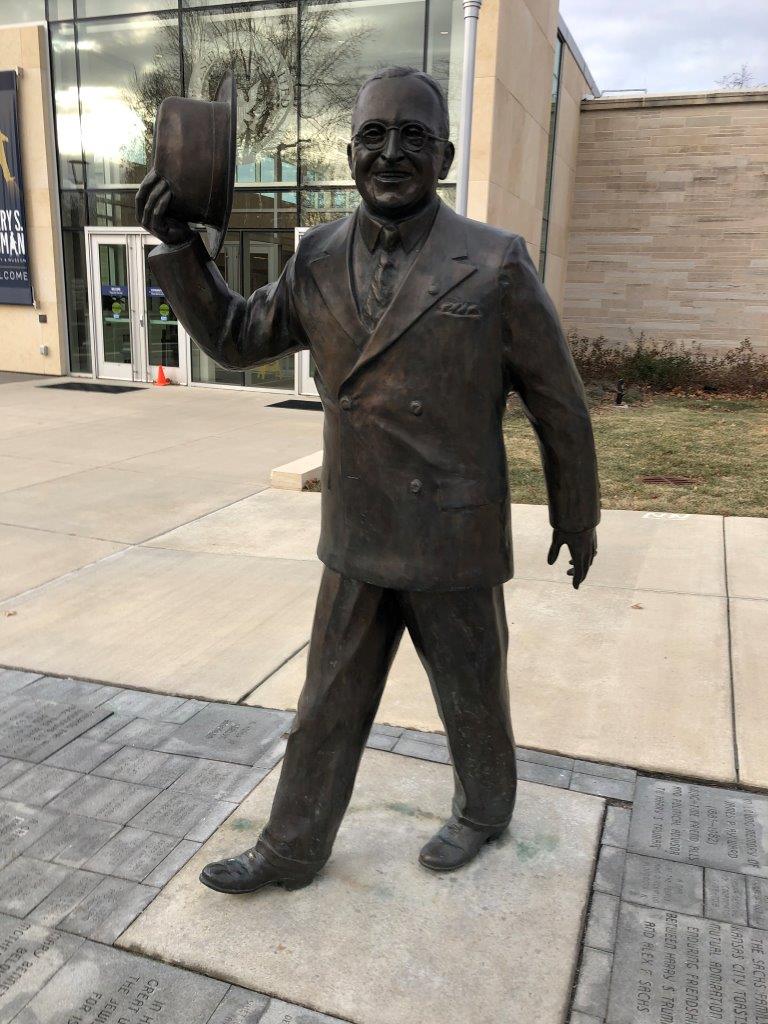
(226, 93)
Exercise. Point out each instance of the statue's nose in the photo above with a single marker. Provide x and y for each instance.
(391, 149)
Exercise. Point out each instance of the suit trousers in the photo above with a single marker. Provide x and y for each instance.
(461, 638)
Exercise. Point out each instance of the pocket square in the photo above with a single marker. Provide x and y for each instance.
(464, 309)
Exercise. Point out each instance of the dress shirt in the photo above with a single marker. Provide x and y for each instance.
(378, 273)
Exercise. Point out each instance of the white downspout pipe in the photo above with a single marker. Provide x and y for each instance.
(471, 15)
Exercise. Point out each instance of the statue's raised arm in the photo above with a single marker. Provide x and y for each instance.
(192, 182)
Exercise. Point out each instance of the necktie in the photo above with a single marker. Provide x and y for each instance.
(382, 283)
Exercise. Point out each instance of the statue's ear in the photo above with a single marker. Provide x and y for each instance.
(448, 154)
(349, 159)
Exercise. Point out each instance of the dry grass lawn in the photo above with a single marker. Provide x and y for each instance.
(720, 444)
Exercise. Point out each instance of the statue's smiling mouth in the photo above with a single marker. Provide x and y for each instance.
(392, 177)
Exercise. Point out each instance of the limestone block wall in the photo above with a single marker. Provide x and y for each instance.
(21, 332)
(513, 76)
(669, 229)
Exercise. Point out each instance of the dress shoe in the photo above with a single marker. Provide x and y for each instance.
(249, 872)
(455, 845)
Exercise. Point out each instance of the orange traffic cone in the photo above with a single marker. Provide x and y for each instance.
(161, 381)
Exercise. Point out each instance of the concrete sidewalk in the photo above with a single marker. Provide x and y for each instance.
(140, 545)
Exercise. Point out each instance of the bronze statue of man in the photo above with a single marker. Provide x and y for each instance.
(420, 323)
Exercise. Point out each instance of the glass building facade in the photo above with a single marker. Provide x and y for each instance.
(298, 65)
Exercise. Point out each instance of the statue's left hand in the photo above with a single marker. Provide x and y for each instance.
(583, 548)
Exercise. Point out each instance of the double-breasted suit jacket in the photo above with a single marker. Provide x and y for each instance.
(414, 484)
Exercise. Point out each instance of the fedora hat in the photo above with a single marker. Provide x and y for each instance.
(195, 153)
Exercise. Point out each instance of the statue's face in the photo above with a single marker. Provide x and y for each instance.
(402, 174)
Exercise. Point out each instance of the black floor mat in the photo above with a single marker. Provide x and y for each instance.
(109, 389)
(295, 403)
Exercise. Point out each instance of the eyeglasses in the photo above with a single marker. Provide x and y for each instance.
(412, 136)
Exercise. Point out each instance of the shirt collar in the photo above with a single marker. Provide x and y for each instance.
(412, 230)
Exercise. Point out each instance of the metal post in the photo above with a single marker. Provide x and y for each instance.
(471, 15)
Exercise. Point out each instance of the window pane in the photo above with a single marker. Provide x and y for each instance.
(273, 209)
(66, 105)
(266, 253)
(213, 3)
(445, 58)
(204, 370)
(319, 205)
(341, 44)
(448, 194)
(261, 45)
(97, 8)
(112, 209)
(60, 9)
(73, 209)
(77, 301)
(162, 325)
(126, 69)
(14, 12)
(116, 299)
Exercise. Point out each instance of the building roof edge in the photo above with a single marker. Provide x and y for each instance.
(570, 42)
(715, 97)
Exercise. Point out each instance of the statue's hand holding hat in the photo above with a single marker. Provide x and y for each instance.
(193, 173)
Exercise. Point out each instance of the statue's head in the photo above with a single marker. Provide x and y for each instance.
(399, 148)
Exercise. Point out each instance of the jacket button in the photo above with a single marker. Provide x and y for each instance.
(416, 408)
(432, 290)
(415, 486)
(345, 403)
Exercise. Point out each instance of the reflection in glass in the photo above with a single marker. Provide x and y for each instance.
(73, 209)
(319, 205)
(112, 209)
(263, 266)
(127, 67)
(448, 194)
(71, 173)
(342, 43)
(75, 277)
(60, 9)
(97, 8)
(445, 57)
(162, 326)
(16, 12)
(262, 47)
(273, 209)
(212, 3)
(204, 370)
(115, 308)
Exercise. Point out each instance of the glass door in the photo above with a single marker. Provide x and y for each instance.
(133, 326)
(307, 385)
(112, 295)
(262, 266)
(204, 370)
(163, 336)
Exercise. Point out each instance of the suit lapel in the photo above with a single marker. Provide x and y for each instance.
(440, 266)
(331, 273)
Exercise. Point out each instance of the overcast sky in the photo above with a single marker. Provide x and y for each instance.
(669, 45)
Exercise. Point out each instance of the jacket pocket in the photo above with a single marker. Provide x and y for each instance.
(457, 494)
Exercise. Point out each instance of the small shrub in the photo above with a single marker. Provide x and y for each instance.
(670, 366)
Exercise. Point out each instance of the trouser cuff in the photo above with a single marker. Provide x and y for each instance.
(292, 865)
(482, 826)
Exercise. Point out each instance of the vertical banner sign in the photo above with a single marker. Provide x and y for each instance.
(15, 284)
